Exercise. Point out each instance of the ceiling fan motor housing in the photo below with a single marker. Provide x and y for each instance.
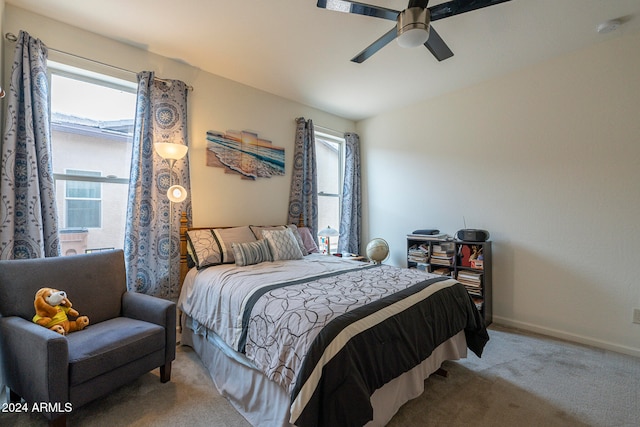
(413, 26)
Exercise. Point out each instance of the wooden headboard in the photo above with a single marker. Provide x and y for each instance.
(184, 227)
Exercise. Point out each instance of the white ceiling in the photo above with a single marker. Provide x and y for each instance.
(295, 50)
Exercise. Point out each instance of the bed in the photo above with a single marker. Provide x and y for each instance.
(297, 338)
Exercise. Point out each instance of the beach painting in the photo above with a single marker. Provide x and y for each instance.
(245, 154)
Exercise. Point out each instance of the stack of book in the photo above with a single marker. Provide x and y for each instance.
(442, 254)
(418, 253)
(472, 280)
(443, 271)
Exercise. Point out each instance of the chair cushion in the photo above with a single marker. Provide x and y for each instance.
(110, 344)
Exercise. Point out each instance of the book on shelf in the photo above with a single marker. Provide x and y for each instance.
(473, 276)
(473, 292)
(444, 247)
(418, 253)
(475, 284)
(442, 261)
(442, 271)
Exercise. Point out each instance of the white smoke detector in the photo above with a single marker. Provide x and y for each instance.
(607, 27)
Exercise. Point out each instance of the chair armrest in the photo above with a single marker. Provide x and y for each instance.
(36, 361)
(153, 310)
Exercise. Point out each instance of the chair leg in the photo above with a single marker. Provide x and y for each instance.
(61, 421)
(165, 373)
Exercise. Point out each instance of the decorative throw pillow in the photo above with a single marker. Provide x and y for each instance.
(296, 234)
(251, 252)
(282, 244)
(257, 229)
(214, 246)
(308, 240)
(229, 236)
(205, 249)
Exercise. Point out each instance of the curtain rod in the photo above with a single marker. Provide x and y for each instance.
(13, 38)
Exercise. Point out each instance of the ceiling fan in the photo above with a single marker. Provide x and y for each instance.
(412, 24)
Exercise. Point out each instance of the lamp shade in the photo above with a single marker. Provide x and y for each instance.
(177, 193)
(170, 150)
(328, 232)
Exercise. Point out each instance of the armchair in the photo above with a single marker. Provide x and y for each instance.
(129, 333)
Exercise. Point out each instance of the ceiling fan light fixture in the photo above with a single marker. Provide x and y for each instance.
(413, 27)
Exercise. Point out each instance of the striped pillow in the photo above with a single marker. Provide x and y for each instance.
(251, 253)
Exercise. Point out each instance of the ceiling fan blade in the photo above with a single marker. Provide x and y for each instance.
(375, 46)
(456, 7)
(437, 46)
(359, 8)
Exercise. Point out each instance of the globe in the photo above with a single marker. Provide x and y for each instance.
(377, 250)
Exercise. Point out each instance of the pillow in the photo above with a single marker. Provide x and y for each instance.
(251, 252)
(308, 240)
(294, 229)
(257, 229)
(214, 246)
(282, 244)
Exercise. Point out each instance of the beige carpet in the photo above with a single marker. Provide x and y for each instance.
(522, 380)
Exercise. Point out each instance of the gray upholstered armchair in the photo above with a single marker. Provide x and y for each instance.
(129, 333)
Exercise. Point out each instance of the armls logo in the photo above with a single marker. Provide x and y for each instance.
(37, 407)
(51, 407)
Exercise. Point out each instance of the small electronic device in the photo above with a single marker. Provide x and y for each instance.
(427, 232)
(472, 235)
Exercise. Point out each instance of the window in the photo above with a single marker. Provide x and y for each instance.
(83, 201)
(330, 170)
(92, 119)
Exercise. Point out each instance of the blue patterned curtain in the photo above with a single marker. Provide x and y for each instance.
(152, 257)
(303, 199)
(28, 214)
(351, 217)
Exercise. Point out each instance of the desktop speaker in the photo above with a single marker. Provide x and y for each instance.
(471, 235)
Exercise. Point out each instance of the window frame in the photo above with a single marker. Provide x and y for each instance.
(337, 138)
(105, 76)
(67, 198)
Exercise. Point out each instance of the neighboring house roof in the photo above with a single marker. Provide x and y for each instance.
(113, 129)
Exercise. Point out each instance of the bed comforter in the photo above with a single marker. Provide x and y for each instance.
(329, 331)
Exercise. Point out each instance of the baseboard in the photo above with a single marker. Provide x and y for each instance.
(605, 345)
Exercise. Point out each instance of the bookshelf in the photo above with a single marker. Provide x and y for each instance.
(454, 258)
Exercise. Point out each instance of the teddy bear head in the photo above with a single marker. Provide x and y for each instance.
(53, 297)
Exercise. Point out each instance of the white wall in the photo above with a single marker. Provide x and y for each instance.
(216, 103)
(546, 159)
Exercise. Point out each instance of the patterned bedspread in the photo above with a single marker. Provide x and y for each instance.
(318, 324)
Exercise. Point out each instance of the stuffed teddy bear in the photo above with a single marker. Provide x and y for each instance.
(52, 307)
